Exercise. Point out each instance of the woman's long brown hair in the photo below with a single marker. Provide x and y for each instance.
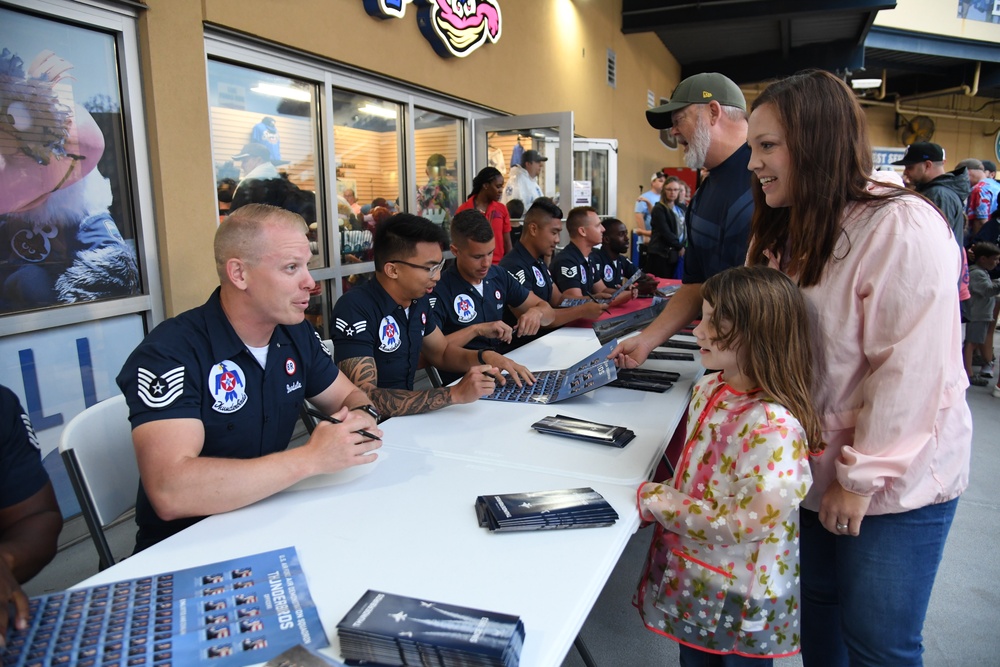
(826, 134)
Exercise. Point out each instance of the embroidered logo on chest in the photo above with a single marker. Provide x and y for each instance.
(388, 334)
(227, 385)
(464, 308)
(539, 277)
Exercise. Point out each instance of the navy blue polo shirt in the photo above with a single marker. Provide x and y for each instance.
(572, 269)
(459, 304)
(611, 272)
(367, 322)
(21, 471)
(530, 271)
(194, 366)
(718, 220)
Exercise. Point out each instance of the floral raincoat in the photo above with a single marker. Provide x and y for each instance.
(722, 573)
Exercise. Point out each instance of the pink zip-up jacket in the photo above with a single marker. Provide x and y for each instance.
(890, 383)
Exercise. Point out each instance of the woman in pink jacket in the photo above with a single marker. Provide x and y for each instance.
(878, 267)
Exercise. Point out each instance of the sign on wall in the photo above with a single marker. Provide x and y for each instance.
(884, 156)
(58, 373)
(455, 28)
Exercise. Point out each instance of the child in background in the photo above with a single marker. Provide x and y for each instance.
(722, 574)
(979, 309)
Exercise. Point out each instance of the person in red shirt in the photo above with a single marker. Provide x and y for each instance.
(487, 187)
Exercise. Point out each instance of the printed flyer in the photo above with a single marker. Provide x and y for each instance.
(238, 612)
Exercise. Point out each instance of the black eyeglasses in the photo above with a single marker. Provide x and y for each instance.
(431, 270)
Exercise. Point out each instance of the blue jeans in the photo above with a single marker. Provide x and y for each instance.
(692, 657)
(864, 598)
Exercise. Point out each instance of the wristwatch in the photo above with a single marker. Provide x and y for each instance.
(370, 409)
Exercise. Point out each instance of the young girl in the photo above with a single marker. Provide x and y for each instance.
(722, 574)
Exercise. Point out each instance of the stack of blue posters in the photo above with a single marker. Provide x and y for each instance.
(545, 510)
(386, 629)
(238, 612)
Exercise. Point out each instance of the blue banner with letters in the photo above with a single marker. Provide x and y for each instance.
(58, 373)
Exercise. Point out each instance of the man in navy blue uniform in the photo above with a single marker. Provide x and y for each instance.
(382, 326)
(470, 299)
(30, 520)
(526, 262)
(707, 114)
(572, 266)
(215, 392)
(609, 262)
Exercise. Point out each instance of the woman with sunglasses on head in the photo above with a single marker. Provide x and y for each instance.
(878, 267)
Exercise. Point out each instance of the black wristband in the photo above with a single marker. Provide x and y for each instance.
(479, 355)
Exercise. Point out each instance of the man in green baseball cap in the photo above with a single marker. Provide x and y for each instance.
(707, 114)
(695, 129)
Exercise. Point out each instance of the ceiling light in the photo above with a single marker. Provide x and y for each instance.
(865, 84)
(382, 112)
(276, 90)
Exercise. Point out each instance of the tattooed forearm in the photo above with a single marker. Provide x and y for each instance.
(392, 402)
(398, 402)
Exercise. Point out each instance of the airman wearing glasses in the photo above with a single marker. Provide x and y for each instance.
(381, 327)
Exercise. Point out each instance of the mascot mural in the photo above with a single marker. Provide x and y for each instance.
(58, 242)
(453, 27)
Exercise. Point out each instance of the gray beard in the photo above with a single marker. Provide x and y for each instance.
(698, 144)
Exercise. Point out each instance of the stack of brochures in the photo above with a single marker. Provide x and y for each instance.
(645, 379)
(387, 629)
(581, 429)
(545, 510)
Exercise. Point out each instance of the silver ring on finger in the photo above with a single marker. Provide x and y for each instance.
(842, 527)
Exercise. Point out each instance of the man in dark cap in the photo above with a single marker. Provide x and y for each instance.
(522, 183)
(923, 166)
(707, 114)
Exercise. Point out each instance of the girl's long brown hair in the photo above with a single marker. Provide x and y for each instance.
(826, 134)
(761, 313)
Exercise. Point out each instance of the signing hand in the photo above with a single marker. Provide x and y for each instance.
(592, 310)
(475, 384)
(340, 446)
(841, 507)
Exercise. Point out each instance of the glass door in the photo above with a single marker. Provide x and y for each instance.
(501, 143)
(595, 175)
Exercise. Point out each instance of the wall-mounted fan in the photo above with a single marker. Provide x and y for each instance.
(918, 128)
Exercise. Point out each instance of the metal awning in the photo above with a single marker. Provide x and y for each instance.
(755, 40)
